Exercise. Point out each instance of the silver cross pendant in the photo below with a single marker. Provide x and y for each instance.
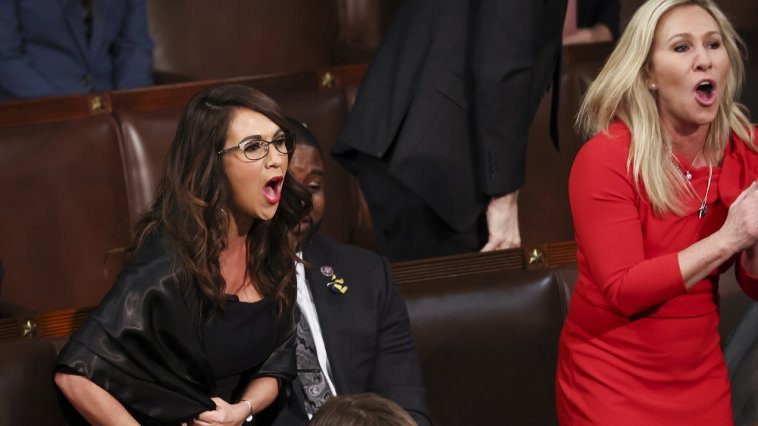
(702, 211)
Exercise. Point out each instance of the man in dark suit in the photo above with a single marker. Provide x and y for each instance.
(59, 47)
(438, 132)
(354, 314)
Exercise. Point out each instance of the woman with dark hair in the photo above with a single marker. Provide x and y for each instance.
(199, 326)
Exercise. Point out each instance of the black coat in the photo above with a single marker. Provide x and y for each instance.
(144, 345)
(449, 97)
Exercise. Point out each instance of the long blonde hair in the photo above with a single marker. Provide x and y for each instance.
(620, 92)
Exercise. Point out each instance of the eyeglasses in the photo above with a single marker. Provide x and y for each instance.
(255, 149)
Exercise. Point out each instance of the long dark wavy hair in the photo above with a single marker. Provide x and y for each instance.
(194, 192)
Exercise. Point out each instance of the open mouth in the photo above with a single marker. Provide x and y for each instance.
(272, 190)
(705, 92)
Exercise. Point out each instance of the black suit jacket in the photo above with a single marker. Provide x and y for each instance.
(449, 97)
(366, 331)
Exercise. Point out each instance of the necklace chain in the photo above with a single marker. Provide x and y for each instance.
(701, 212)
(687, 175)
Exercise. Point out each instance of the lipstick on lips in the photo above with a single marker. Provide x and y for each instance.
(272, 190)
(705, 92)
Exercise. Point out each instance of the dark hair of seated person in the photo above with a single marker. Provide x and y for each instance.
(363, 409)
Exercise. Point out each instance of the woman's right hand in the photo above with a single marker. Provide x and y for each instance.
(740, 230)
(225, 414)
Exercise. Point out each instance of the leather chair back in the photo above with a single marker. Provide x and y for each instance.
(147, 136)
(324, 113)
(199, 39)
(64, 208)
(27, 391)
(488, 344)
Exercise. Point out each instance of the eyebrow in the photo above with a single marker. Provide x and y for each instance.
(688, 35)
(279, 132)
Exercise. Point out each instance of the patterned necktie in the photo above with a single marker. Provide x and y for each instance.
(315, 387)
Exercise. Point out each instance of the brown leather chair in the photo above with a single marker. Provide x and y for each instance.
(64, 208)
(197, 39)
(27, 392)
(487, 341)
(147, 136)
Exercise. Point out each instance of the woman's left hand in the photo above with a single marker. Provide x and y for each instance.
(225, 414)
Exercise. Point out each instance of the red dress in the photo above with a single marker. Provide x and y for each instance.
(638, 348)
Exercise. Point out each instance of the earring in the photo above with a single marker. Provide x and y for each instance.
(653, 87)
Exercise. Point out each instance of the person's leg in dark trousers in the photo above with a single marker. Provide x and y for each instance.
(406, 228)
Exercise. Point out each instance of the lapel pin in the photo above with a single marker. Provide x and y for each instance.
(327, 271)
(337, 285)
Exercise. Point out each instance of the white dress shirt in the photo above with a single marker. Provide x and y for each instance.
(308, 309)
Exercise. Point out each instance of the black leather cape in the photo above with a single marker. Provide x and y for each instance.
(144, 345)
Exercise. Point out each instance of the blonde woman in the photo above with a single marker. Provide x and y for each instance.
(663, 198)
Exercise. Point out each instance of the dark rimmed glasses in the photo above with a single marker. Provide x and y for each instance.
(255, 148)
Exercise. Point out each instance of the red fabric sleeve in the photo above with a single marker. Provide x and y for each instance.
(604, 204)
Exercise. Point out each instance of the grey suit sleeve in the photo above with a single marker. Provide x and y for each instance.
(397, 375)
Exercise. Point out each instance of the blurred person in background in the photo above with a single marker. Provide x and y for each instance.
(63, 47)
